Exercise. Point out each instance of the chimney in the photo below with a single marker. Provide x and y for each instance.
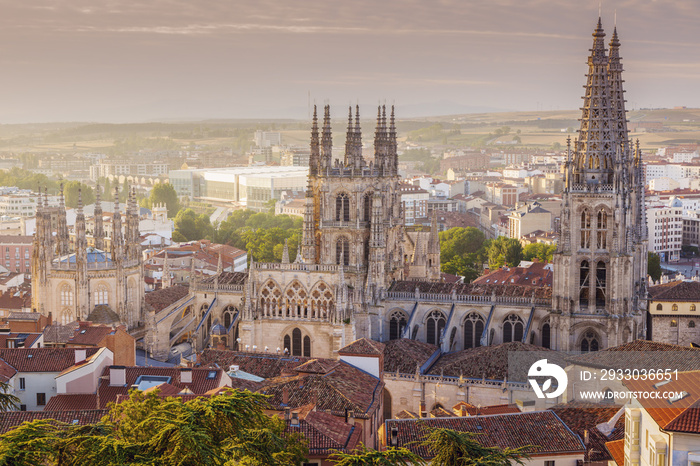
(80, 355)
(286, 414)
(464, 411)
(185, 375)
(295, 419)
(585, 437)
(394, 441)
(117, 376)
(285, 395)
(351, 418)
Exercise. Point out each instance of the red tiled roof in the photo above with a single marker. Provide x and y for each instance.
(11, 419)
(363, 346)
(534, 275)
(582, 417)
(200, 383)
(263, 365)
(6, 371)
(491, 362)
(89, 335)
(661, 409)
(29, 339)
(404, 414)
(317, 366)
(71, 402)
(481, 289)
(640, 354)
(681, 291)
(228, 278)
(616, 448)
(404, 355)
(541, 432)
(688, 421)
(326, 432)
(160, 299)
(42, 359)
(344, 387)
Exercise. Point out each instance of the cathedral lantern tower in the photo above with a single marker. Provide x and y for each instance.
(600, 265)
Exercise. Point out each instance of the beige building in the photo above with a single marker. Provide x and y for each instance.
(528, 218)
(674, 314)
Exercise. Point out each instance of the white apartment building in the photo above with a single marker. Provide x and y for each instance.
(21, 204)
(665, 224)
(414, 200)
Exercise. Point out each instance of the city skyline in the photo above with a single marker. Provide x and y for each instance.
(94, 61)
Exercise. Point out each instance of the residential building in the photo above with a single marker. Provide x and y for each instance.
(665, 226)
(673, 315)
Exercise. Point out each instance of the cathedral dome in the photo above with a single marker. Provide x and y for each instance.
(103, 315)
(218, 329)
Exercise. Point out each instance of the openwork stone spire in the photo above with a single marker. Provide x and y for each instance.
(617, 94)
(595, 153)
(315, 157)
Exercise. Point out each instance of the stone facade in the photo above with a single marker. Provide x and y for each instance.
(72, 281)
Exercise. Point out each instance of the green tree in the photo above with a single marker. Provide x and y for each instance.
(504, 251)
(366, 457)
(452, 448)
(70, 191)
(192, 226)
(654, 266)
(539, 251)
(164, 193)
(226, 429)
(460, 241)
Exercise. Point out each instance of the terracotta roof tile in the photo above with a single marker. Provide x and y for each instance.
(688, 421)
(263, 365)
(317, 366)
(542, 430)
(12, 419)
(640, 354)
(404, 414)
(404, 355)
(58, 334)
(676, 291)
(663, 411)
(583, 416)
(160, 299)
(363, 346)
(491, 362)
(71, 402)
(42, 359)
(6, 371)
(481, 289)
(89, 335)
(26, 339)
(616, 448)
(326, 432)
(228, 278)
(201, 383)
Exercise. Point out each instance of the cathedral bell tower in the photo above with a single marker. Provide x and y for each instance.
(600, 265)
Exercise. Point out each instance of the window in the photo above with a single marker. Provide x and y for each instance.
(602, 232)
(397, 324)
(342, 208)
(512, 329)
(546, 335)
(40, 399)
(549, 463)
(692, 307)
(691, 324)
(584, 282)
(674, 323)
(22, 383)
(66, 295)
(601, 279)
(674, 307)
(293, 344)
(436, 324)
(473, 329)
(367, 207)
(585, 230)
(101, 296)
(659, 307)
(589, 342)
(342, 251)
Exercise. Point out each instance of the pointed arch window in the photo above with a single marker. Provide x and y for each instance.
(512, 329)
(101, 295)
(367, 207)
(585, 229)
(342, 207)
(546, 336)
(659, 307)
(307, 347)
(66, 295)
(435, 325)
(473, 329)
(342, 251)
(584, 283)
(296, 342)
(397, 324)
(601, 276)
(590, 342)
(602, 230)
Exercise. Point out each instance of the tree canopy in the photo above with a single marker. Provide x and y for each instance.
(539, 251)
(227, 429)
(504, 251)
(654, 266)
(70, 192)
(191, 226)
(463, 252)
(164, 193)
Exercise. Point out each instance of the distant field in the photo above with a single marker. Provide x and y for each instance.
(535, 129)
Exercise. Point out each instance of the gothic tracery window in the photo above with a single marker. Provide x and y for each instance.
(601, 283)
(584, 283)
(435, 325)
(513, 329)
(585, 229)
(342, 207)
(547, 335)
(296, 345)
(367, 214)
(473, 329)
(342, 251)
(590, 342)
(101, 295)
(397, 324)
(602, 230)
(66, 295)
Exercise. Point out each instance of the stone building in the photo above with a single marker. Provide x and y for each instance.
(673, 313)
(359, 273)
(72, 281)
(600, 265)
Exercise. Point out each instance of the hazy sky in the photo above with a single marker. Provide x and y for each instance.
(110, 60)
